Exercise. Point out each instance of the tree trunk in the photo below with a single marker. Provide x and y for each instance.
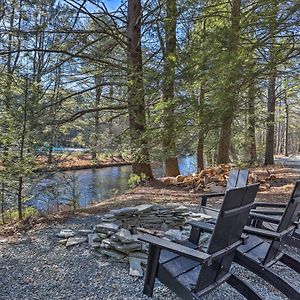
(202, 127)
(50, 153)
(169, 146)
(270, 133)
(136, 102)
(286, 144)
(96, 118)
(201, 110)
(22, 148)
(231, 90)
(200, 151)
(20, 196)
(2, 203)
(224, 141)
(251, 126)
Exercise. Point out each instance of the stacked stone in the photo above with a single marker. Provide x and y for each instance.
(116, 236)
(111, 241)
(148, 216)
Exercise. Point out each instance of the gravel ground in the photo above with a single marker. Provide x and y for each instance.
(36, 267)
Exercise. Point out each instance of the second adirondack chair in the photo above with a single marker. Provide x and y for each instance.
(263, 248)
(269, 216)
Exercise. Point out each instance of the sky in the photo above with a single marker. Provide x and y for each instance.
(110, 4)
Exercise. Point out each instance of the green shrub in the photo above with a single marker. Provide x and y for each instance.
(135, 180)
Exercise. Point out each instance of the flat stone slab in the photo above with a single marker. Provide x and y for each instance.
(106, 227)
(84, 232)
(66, 233)
(72, 241)
(144, 207)
(135, 267)
(125, 236)
(124, 211)
(139, 254)
(94, 240)
(113, 253)
(175, 235)
(132, 246)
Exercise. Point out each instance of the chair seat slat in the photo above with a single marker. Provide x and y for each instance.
(180, 265)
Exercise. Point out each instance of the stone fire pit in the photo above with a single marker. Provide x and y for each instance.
(116, 236)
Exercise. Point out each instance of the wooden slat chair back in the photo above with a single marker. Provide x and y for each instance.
(289, 217)
(236, 178)
(227, 232)
(291, 212)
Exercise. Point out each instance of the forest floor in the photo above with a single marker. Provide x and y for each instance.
(74, 161)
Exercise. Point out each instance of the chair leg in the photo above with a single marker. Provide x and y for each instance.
(243, 287)
(268, 276)
(195, 235)
(291, 262)
(151, 271)
(204, 200)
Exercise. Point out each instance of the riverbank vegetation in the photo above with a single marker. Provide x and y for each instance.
(147, 79)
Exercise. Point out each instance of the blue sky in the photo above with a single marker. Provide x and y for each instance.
(110, 4)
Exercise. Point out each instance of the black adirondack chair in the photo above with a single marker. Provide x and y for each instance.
(191, 273)
(269, 215)
(263, 248)
(236, 178)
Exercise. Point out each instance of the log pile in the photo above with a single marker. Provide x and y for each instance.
(214, 179)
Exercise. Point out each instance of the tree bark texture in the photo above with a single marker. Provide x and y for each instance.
(230, 96)
(136, 101)
(202, 128)
(251, 123)
(270, 132)
(270, 126)
(169, 145)
(95, 135)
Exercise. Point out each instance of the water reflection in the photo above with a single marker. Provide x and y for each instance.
(95, 184)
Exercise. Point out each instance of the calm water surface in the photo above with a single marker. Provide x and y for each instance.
(91, 185)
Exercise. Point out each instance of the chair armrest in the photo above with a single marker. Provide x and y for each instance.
(268, 234)
(227, 250)
(266, 204)
(270, 212)
(206, 227)
(265, 218)
(196, 255)
(211, 195)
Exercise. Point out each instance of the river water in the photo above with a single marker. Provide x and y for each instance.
(92, 185)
